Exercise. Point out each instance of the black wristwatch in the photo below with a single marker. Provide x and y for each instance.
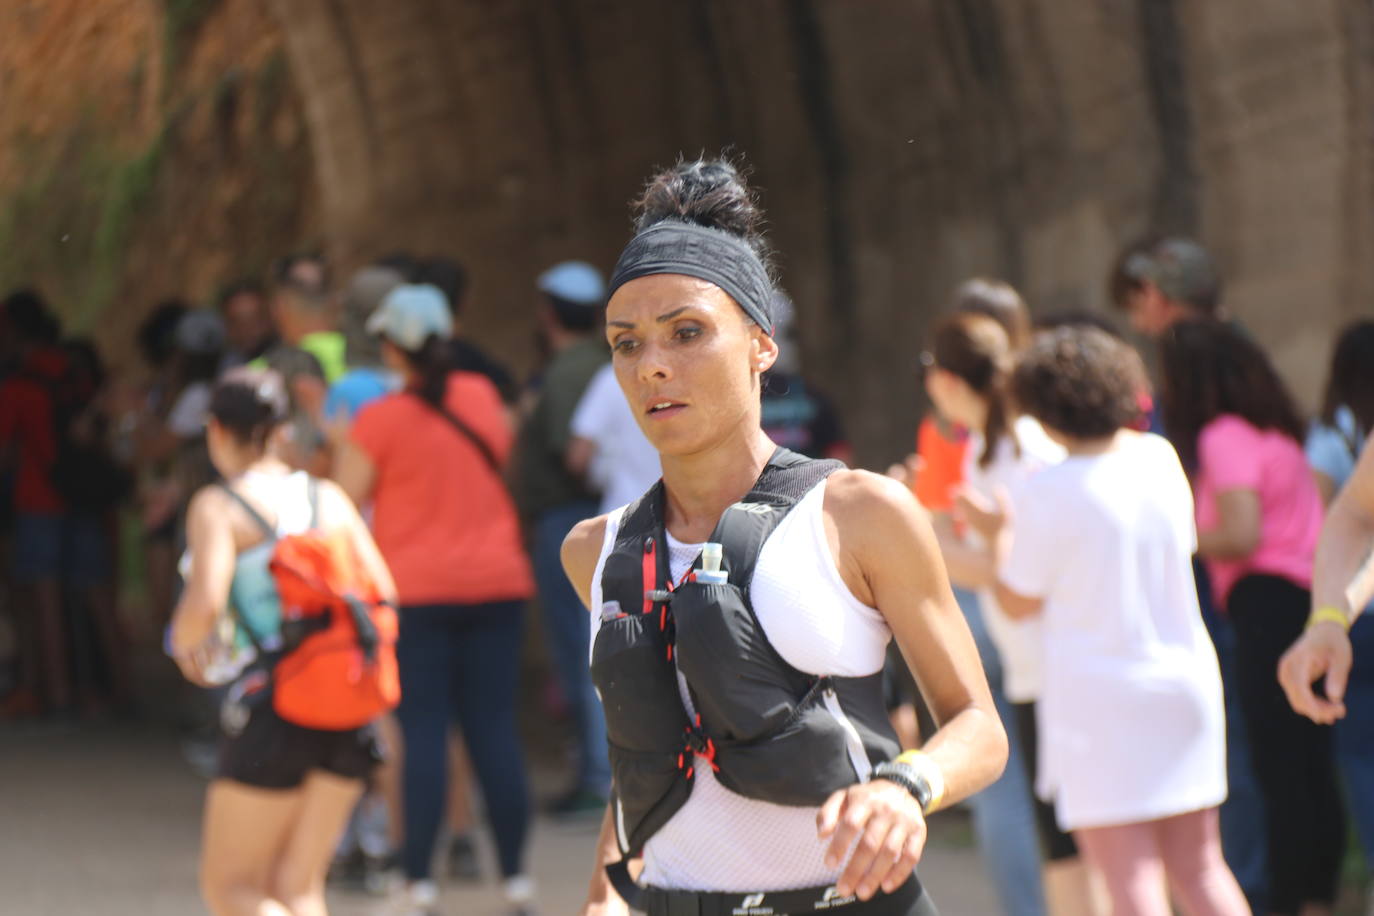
(906, 776)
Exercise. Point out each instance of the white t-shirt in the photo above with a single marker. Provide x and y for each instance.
(625, 465)
(190, 410)
(1017, 641)
(1130, 715)
(721, 841)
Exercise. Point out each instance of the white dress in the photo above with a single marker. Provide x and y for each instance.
(1130, 714)
(721, 841)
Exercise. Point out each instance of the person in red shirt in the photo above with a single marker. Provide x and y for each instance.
(430, 458)
(28, 442)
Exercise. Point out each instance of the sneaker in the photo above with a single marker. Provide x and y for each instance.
(519, 893)
(578, 803)
(382, 874)
(418, 898)
(348, 872)
(463, 864)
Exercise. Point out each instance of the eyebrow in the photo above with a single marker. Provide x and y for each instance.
(666, 316)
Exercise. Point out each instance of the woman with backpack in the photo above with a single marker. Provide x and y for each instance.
(743, 607)
(283, 791)
(429, 458)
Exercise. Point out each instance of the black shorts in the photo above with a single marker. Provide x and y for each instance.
(271, 753)
(1056, 844)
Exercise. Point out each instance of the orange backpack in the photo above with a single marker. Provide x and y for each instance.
(336, 667)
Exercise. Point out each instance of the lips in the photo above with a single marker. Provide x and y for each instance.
(663, 407)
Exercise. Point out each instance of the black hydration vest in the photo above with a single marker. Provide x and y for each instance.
(769, 731)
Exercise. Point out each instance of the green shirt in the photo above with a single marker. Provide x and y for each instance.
(542, 479)
(328, 348)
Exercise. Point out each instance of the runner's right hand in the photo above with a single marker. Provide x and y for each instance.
(1322, 651)
(613, 907)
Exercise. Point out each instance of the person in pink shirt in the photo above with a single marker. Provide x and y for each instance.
(1259, 514)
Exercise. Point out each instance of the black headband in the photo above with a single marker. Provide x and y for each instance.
(674, 247)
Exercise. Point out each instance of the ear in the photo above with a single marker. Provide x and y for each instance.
(763, 351)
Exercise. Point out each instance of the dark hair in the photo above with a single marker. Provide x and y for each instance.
(1077, 318)
(1210, 368)
(244, 286)
(1351, 383)
(575, 316)
(157, 333)
(1127, 276)
(30, 318)
(1080, 381)
(403, 262)
(710, 193)
(433, 364)
(85, 360)
(999, 301)
(448, 275)
(249, 404)
(976, 349)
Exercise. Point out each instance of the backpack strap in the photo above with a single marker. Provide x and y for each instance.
(254, 514)
(466, 432)
(312, 493)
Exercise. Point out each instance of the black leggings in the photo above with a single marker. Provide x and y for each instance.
(1055, 844)
(1292, 755)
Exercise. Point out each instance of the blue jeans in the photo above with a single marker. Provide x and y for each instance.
(1242, 815)
(1355, 734)
(1003, 818)
(461, 663)
(569, 634)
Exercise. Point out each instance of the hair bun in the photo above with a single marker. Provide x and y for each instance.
(708, 192)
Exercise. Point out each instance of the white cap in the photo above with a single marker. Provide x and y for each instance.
(410, 313)
(574, 281)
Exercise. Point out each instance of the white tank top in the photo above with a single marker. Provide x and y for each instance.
(286, 495)
(720, 841)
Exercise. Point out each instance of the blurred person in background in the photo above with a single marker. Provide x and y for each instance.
(970, 370)
(797, 415)
(430, 458)
(607, 446)
(29, 444)
(554, 496)
(1131, 721)
(281, 792)
(1003, 814)
(248, 327)
(1335, 442)
(305, 314)
(1259, 514)
(464, 354)
(365, 378)
(1156, 282)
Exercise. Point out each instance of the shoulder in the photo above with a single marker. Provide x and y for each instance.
(582, 550)
(865, 504)
(210, 507)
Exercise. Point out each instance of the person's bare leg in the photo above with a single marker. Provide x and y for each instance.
(387, 778)
(244, 837)
(298, 878)
(1069, 889)
(1129, 859)
(1202, 883)
(52, 639)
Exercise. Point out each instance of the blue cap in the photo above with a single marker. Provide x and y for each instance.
(574, 281)
(410, 313)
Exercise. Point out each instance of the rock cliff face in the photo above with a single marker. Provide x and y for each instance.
(901, 147)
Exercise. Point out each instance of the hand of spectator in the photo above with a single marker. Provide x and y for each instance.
(1322, 651)
(890, 831)
(987, 517)
(908, 470)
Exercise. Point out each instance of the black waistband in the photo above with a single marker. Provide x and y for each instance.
(908, 900)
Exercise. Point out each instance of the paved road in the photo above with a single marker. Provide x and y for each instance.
(104, 820)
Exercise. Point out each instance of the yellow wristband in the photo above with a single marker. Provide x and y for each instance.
(1324, 614)
(921, 762)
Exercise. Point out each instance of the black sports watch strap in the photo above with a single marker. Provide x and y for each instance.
(906, 776)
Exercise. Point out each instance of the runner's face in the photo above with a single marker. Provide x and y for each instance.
(687, 359)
